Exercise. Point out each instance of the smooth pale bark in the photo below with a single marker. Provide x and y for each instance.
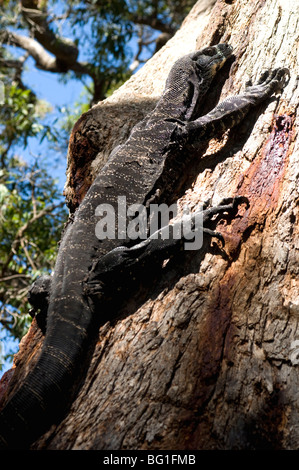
(206, 356)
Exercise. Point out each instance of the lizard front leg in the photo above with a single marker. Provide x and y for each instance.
(232, 110)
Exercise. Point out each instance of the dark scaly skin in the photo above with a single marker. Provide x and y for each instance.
(132, 171)
(124, 263)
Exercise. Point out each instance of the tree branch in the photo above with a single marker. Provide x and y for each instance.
(63, 48)
(44, 40)
(15, 276)
(30, 260)
(153, 22)
(43, 59)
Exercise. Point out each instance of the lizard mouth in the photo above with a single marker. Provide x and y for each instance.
(222, 53)
(225, 49)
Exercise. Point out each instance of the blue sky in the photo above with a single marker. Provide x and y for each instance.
(49, 87)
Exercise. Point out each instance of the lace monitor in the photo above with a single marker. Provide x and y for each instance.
(148, 162)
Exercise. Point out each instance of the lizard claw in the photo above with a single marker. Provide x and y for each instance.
(235, 201)
(214, 234)
(279, 76)
(269, 82)
(228, 205)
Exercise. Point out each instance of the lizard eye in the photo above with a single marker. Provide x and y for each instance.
(210, 51)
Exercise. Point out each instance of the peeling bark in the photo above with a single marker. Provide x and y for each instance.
(205, 356)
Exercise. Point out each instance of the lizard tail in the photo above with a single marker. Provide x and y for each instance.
(27, 413)
(44, 395)
(39, 401)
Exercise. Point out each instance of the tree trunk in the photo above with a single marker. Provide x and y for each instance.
(206, 357)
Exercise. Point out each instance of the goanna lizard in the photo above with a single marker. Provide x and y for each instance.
(149, 162)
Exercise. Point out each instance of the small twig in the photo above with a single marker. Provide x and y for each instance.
(15, 276)
(33, 199)
(28, 255)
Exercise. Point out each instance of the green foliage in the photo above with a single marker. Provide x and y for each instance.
(19, 115)
(31, 220)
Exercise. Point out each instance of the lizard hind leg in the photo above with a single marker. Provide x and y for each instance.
(117, 272)
(38, 297)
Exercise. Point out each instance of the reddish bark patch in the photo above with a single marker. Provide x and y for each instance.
(213, 347)
(262, 184)
(213, 334)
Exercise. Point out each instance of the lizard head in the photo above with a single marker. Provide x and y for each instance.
(189, 80)
(209, 60)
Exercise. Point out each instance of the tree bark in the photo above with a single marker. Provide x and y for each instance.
(206, 356)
